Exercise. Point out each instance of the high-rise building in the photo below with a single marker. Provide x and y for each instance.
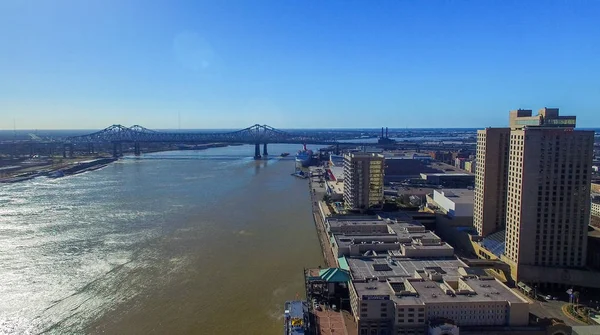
(535, 179)
(491, 171)
(548, 207)
(363, 180)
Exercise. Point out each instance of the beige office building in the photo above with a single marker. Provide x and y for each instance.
(547, 181)
(548, 206)
(363, 180)
(490, 180)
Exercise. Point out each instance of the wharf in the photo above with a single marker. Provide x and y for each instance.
(88, 166)
(71, 167)
(316, 194)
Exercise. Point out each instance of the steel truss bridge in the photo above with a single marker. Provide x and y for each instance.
(256, 134)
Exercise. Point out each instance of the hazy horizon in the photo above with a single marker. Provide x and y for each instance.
(290, 64)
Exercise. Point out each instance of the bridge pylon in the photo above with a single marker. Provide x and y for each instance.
(257, 151)
(117, 149)
(265, 152)
(136, 149)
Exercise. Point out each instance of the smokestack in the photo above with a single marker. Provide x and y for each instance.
(381, 132)
(386, 132)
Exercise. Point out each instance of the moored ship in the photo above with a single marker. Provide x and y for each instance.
(304, 156)
(296, 317)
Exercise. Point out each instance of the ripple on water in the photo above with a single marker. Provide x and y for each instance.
(76, 248)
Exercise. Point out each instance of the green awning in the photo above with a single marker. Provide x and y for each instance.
(334, 275)
(343, 263)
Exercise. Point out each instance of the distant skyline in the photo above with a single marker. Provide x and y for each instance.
(70, 64)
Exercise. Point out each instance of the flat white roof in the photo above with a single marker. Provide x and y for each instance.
(457, 195)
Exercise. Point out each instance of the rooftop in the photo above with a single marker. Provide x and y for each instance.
(360, 154)
(406, 281)
(449, 174)
(336, 187)
(337, 172)
(362, 268)
(457, 195)
(334, 275)
(349, 220)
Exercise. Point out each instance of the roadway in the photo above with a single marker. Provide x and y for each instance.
(552, 309)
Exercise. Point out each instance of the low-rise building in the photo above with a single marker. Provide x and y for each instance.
(457, 180)
(336, 173)
(395, 295)
(455, 202)
(374, 237)
(442, 156)
(356, 225)
(470, 166)
(593, 249)
(399, 168)
(595, 208)
(403, 279)
(460, 163)
(335, 190)
(336, 160)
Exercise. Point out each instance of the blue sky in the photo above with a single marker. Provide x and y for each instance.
(228, 64)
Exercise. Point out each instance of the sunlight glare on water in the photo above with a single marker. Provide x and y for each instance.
(170, 242)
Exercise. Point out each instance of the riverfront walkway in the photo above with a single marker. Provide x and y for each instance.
(330, 322)
(316, 193)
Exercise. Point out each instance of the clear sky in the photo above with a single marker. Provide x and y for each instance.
(290, 64)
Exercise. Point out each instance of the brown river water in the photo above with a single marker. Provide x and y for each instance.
(182, 242)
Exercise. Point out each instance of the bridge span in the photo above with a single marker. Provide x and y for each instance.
(256, 134)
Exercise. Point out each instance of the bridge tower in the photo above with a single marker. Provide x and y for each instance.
(68, 147)
(32, 149)
(136, 148)
(257, 151)
(117, 149)
(265, 153)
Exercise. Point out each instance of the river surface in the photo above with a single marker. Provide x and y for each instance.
(182, 242)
